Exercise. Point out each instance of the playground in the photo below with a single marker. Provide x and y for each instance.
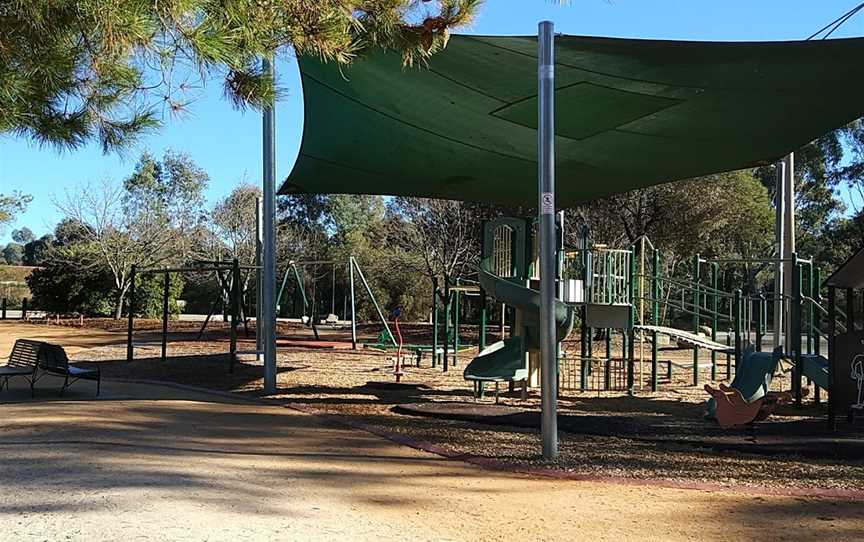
(656, 438)
(449, 343)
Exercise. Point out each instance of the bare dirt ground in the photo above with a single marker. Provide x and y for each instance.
(659, 436)
(155, 463)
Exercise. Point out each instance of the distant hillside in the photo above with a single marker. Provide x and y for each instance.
(12, 282)
(16, 273)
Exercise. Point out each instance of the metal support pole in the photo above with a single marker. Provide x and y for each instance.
(546, 204)
(435, 317)
(235, 312)
(165, 291)
(607, 273)
(447, 305)
(696, 302)
(816, 327)
(832, 330)
(353, 305)
(780, 251)
(456, 326)
(24, 309)
(736, 308)
(655, 314)
(760, 321)
(715, 306)
(130, 348)
(789, 233)
(374, 301)
(482, 340)
(630, 333)
(795, 330)
(3, 309)
(268, 284)
(259, 275)
(810, 293)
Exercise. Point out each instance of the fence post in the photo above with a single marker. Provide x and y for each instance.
(24, 308)
(3, 309)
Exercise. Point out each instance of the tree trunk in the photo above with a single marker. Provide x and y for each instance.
(118, 306)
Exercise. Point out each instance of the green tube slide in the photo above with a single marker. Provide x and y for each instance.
(505, 360)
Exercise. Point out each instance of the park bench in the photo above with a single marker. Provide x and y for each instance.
(54, 361)
(23, 361)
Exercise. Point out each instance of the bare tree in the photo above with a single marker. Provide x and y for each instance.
(444, 233)
(147, 221)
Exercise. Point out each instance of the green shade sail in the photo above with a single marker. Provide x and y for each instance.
(629, 114)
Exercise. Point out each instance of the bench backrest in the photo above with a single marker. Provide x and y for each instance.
(25, 353)
(53, 356)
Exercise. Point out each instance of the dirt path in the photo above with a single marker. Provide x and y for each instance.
(158, 463)
(73, 339)
(155, 463)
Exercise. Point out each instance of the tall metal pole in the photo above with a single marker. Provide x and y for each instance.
(780, 246)
(546, 204)
(259, 275)
(268, 284)
(789, 237)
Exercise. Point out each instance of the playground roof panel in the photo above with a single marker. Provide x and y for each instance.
(630, 113)
(850, 274)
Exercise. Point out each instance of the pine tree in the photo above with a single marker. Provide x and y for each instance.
(73, 71)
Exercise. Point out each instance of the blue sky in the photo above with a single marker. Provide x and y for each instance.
(226, 143)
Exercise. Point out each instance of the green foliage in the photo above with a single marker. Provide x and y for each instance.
(13, 204)
(68, 284)
(36, 252)
(13, 254)
(72, 71)
(23, 236)
(149, 292)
